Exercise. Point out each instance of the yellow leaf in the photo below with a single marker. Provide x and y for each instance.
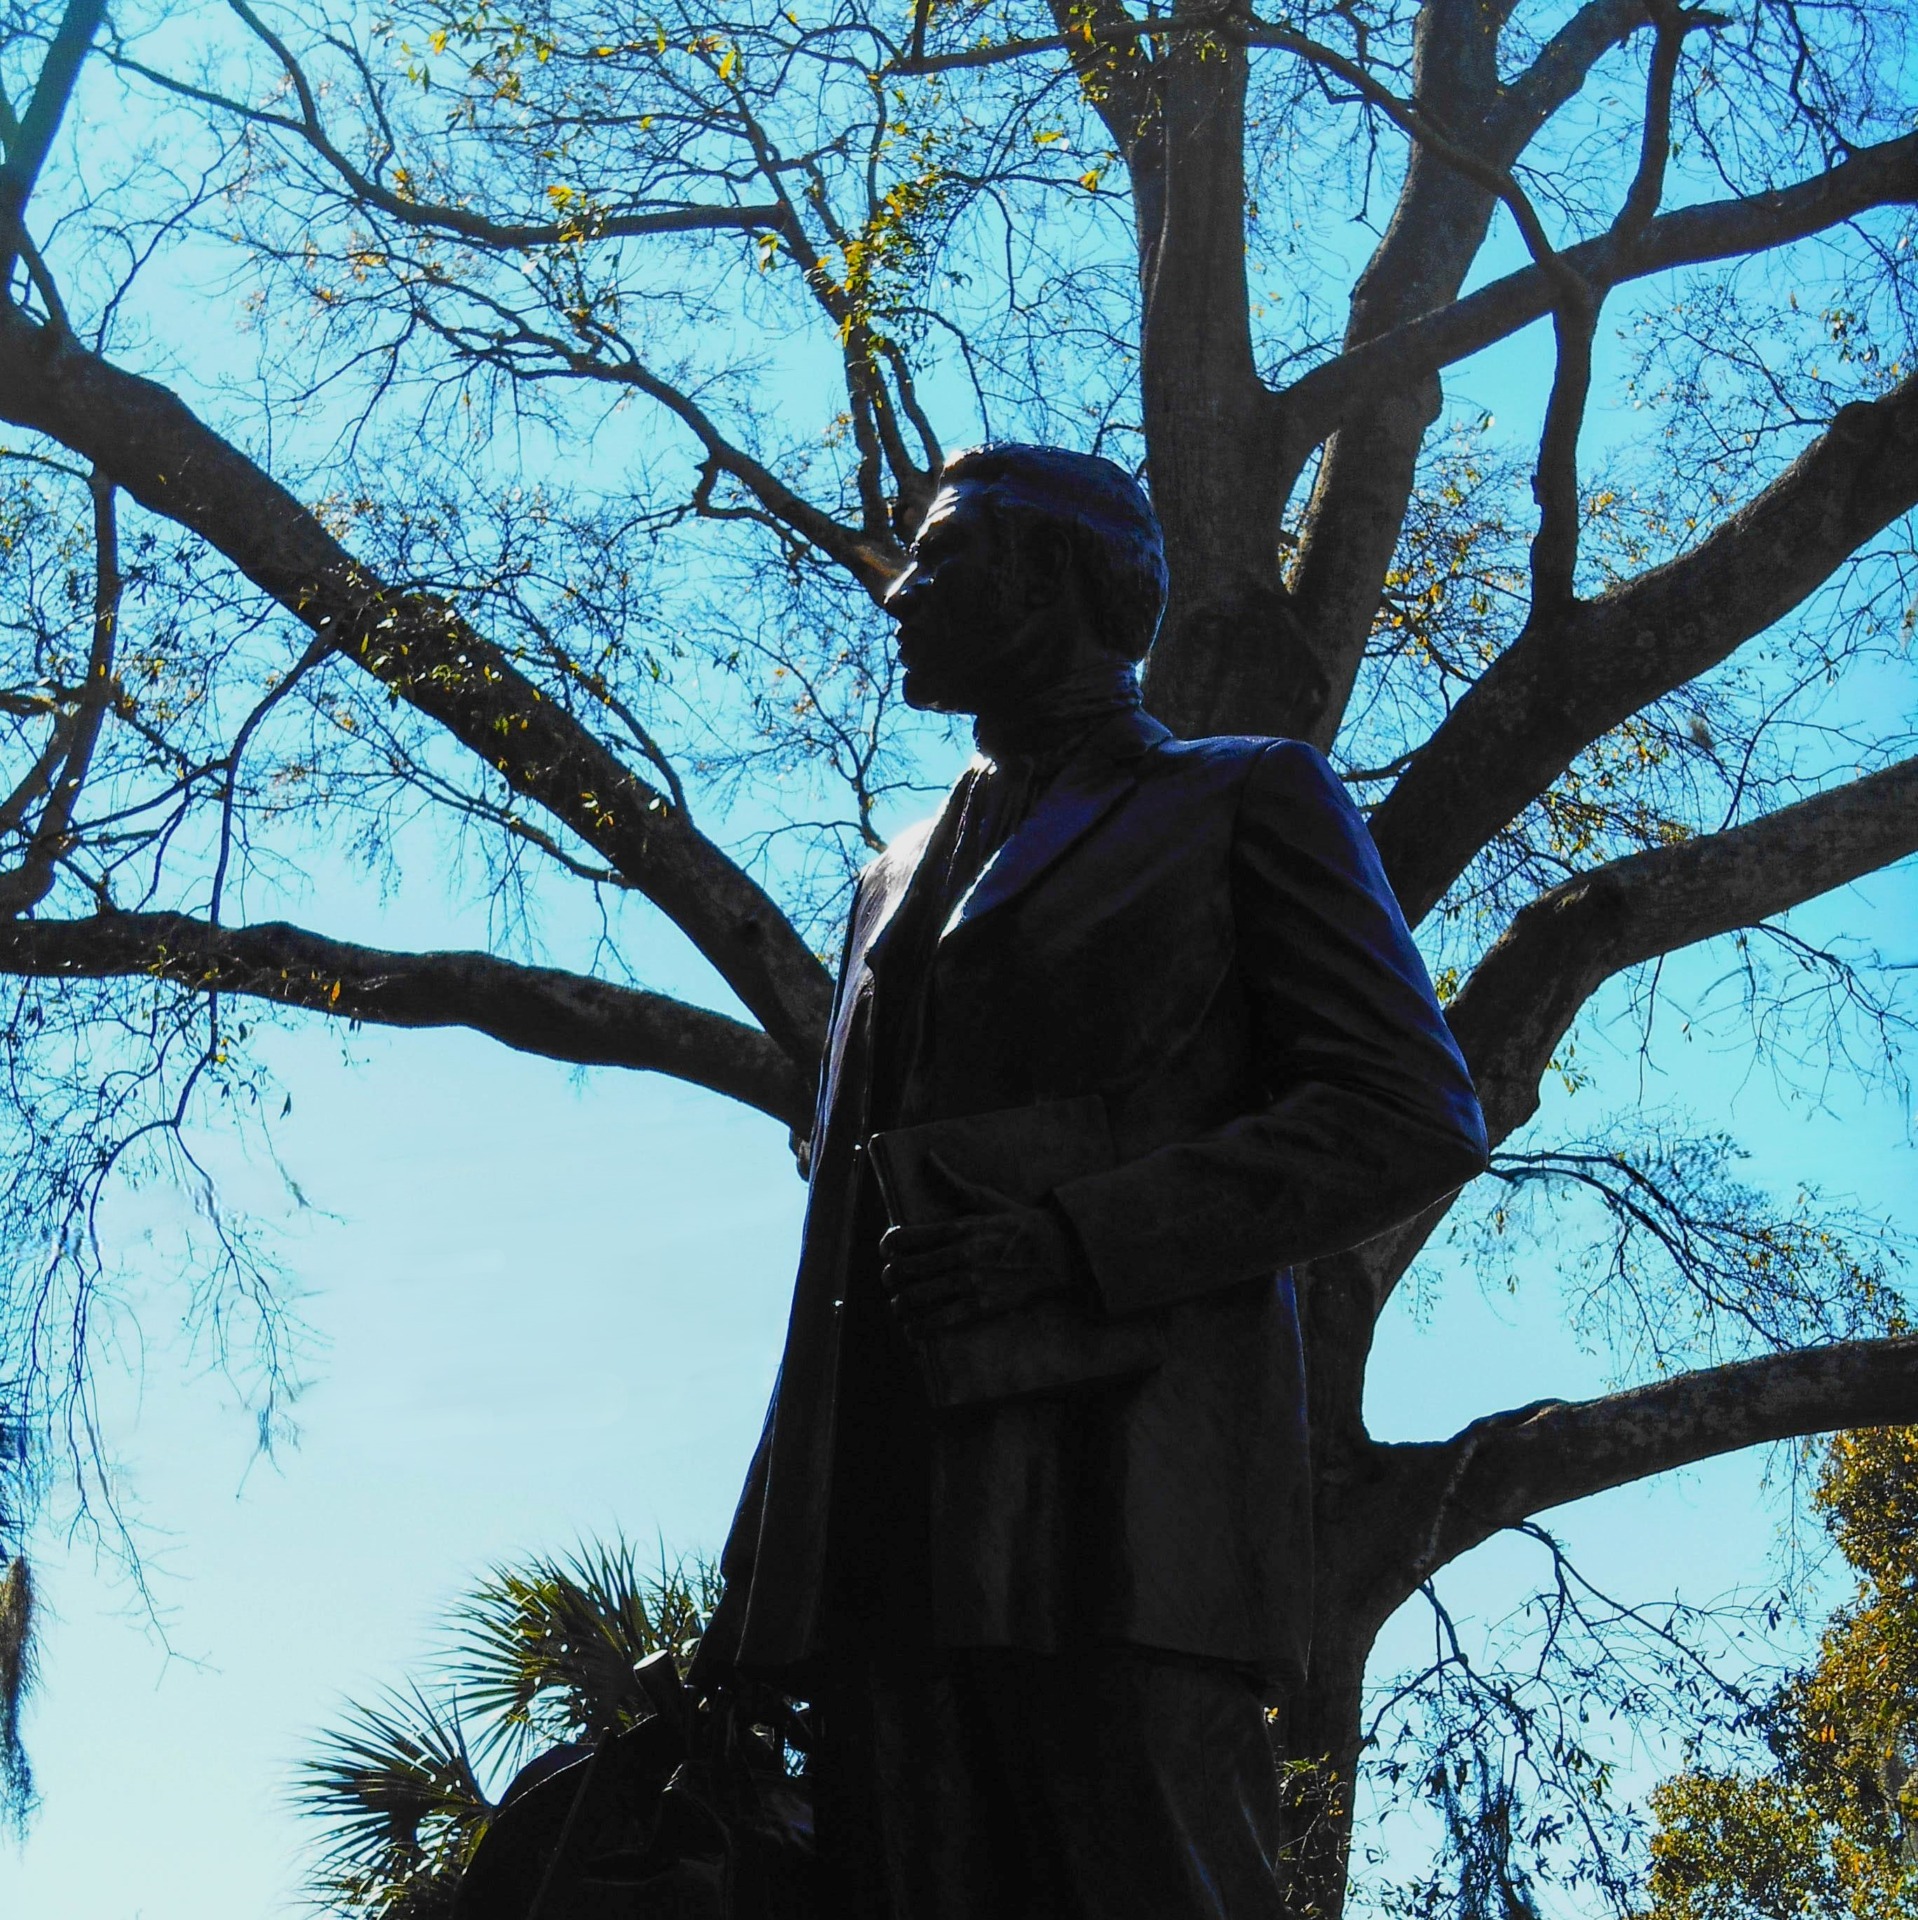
(727, 65)
(437, 41)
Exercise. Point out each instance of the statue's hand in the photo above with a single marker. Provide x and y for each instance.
(998, 1257)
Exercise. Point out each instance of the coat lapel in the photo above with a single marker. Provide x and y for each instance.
(900, 865)
(1086, 789)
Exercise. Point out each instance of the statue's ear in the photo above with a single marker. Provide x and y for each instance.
(1045, 562)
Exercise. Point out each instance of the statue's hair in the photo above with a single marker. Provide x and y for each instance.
(1117, 548)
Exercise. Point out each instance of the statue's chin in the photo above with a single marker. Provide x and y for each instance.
(925, 695)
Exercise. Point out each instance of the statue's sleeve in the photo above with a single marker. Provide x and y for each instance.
(1371, 1114)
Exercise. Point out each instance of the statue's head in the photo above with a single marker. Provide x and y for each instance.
(1030, 562)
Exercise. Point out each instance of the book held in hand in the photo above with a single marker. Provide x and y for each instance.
(1052, 1345)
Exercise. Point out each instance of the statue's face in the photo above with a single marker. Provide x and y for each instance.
(961, 628)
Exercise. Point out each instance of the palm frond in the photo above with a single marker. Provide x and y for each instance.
(541, 1655)
(400, 1800)
(548, 1651)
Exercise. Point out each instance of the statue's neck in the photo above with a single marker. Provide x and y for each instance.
(1052, 720)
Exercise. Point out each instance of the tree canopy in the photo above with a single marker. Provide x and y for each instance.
(463, 446)
(1827, 1828)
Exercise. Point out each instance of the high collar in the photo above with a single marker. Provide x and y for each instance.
(1050, 724)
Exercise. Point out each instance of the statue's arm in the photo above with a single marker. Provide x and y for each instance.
(1371, 1113)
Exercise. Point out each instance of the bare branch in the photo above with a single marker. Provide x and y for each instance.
(37, 781)
(28, 147)
(872, 561)
(1456, 174)
(541, 1010)
(32, 880)
(437, 217)
(1655, 140)
(1691, 236)
(1559, 71)
(869, 560)
(1502, 1469)
(1526, 992)
(1524, 995)
(173, 464)
(1555, 484)
(1412, 117)
(1565, 683)
(1574, 324)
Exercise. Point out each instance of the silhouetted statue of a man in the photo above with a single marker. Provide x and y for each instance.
(1131, 1027)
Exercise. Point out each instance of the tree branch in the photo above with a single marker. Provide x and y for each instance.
(1115, 74)
(1555, 481)
(1655, 138)
(30, 883)
(1559, 71)
(157, 450)
(1510, 1465)
(1305, 412)
(874, 562)
(1567, 682)
(871, 561)
(437, 217)
(1575, 323)
(1455, 175)
(541, 1010)
(32, 139)
(1524, 995)
(1560, 949)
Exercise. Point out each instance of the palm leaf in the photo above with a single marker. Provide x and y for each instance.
(400, 1800)
(541, 1655)
(548, 1651)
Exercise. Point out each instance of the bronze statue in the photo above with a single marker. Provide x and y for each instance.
(1131, 1027)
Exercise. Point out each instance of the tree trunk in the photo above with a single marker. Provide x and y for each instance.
(1225, 646)
(1353, 523)
(1320, 1734)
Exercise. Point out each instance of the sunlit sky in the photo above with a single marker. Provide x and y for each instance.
(550, 1307)
(546, 1305)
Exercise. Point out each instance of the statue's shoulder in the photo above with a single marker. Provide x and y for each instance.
(1221, 748)
(1259, 775)
(1237, 754)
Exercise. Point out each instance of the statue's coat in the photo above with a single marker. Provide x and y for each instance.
(1200, 932)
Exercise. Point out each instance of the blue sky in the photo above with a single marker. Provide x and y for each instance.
(548, 1305)
(551, 1306)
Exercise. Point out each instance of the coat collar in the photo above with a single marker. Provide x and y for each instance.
(1087, 788)
(1097, 777)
